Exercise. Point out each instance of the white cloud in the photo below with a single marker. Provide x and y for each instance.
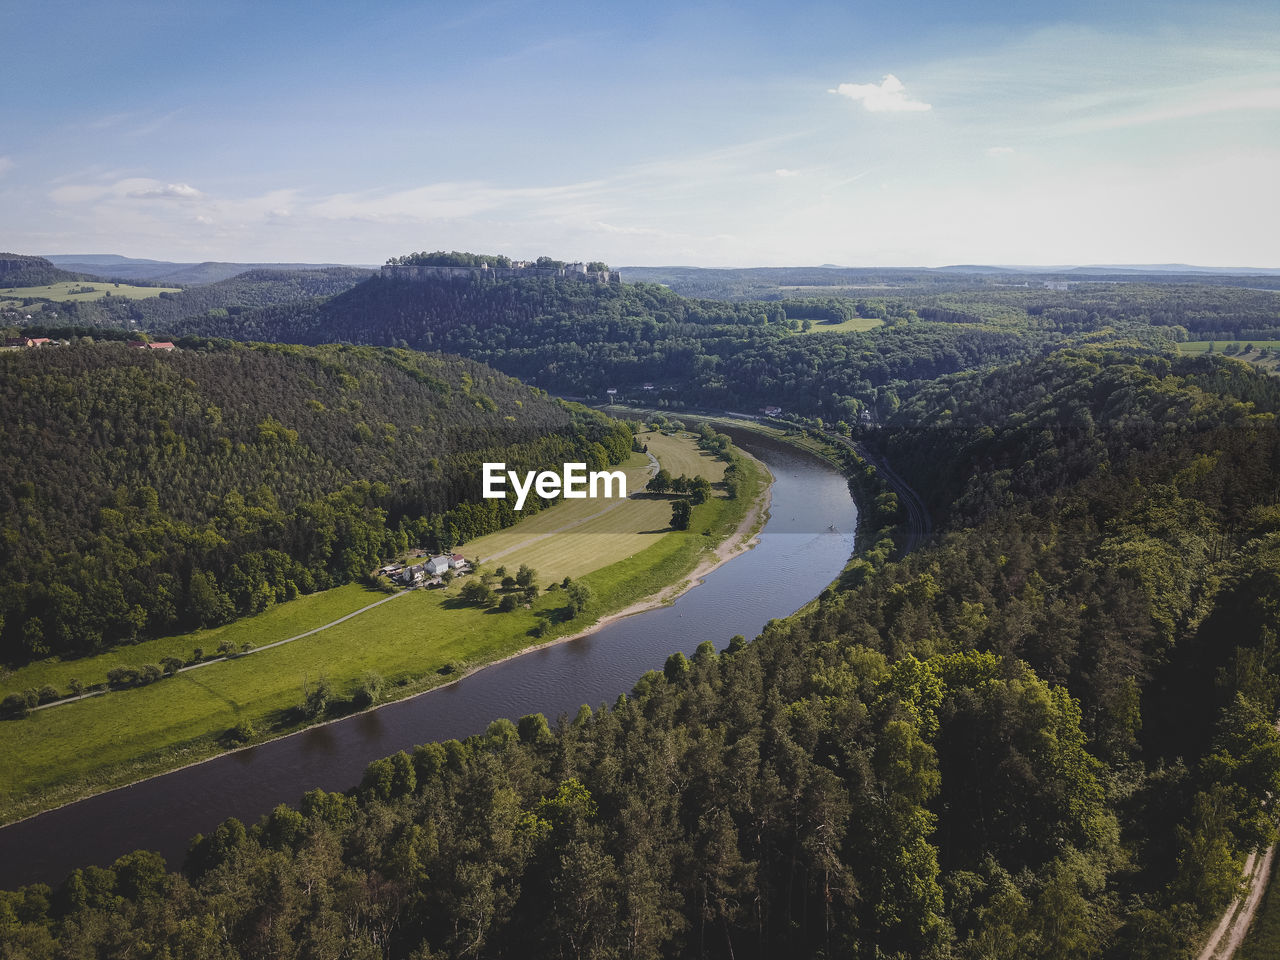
(1184, 103)
(169, 191)
(6, 164)
(999, 151)
(887, 96)
(132, 188)
(784, 172)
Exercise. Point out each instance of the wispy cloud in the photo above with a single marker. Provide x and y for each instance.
(1174, 104)
(130, 188)
(151, 126)
(108, 120)
(784, 172)
(999, 151)
(6, 164)
(887, 96)
(170, 191)
(447, 200)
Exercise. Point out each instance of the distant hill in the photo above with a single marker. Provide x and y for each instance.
(246, 291)
(775, 283)
(170, 272)
(19, 270)
(769, 283)
(581, 339)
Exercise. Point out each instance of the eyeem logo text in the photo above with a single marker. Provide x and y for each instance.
(573, 483)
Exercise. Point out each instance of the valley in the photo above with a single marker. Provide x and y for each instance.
(624, 553)
(1053, 623)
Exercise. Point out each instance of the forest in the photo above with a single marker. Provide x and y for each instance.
(19, 270)
(145, 493)
(1046, 733)
(251, 290)
(582, 339)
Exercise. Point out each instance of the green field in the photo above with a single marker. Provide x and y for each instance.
(415, 641)
(590, 534)
(286, 620)
(79, 290)
(1250, 351)
(856, 325)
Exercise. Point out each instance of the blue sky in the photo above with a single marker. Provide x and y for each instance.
(736, 134)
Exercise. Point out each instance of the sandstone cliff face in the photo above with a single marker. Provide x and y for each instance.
(425, 272)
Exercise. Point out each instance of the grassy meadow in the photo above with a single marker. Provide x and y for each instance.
(1250, 351)
(856, 325)
(79, 290)
(415, 641)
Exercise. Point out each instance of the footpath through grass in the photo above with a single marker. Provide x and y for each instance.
(414, 642)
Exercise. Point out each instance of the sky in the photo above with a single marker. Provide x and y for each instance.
(905, 133)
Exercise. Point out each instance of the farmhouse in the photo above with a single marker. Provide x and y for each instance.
(457, 561)
(438, 565)
(413, 575)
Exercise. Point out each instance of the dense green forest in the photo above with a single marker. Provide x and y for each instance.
(1047, 733)
(581, 339)
(19, 270)
(1180, 311)
(143, 493)
(251, 290)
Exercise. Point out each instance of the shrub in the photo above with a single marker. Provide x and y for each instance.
(370, 689)
(242, 732)
(315, 699)
(171, 665)
(48, 693)
(150, 673)
(14, 706)
(122, 676)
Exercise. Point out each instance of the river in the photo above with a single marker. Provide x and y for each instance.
(803, 546)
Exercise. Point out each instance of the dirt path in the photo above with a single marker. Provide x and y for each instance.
(1234, 925)
(213, 660)
(1231, 929)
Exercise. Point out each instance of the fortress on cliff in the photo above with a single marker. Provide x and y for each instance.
(518, 268)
